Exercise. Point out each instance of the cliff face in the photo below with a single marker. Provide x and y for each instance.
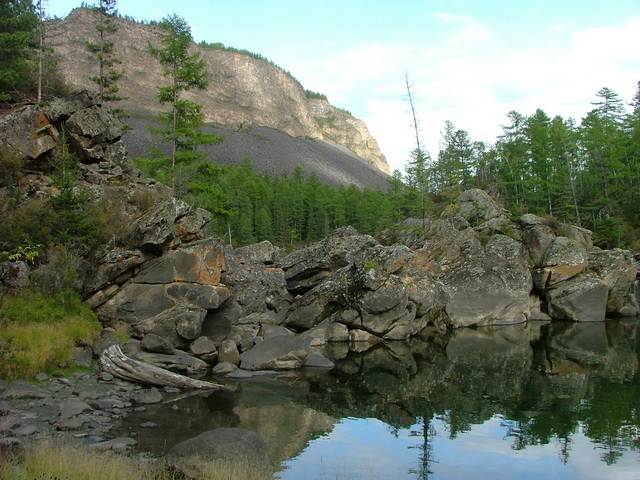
(243, 91)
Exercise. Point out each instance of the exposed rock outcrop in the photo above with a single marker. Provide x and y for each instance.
(189, 301)
(243, 90)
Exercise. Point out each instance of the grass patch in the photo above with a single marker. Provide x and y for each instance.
(49, 459)
(38, 333)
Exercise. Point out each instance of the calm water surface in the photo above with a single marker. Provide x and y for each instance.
(556, 401)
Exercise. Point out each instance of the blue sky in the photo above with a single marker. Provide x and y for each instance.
(469, 61)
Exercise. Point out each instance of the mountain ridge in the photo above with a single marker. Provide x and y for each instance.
(243, 91)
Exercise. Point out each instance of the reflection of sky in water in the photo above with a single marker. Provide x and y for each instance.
(371, 449)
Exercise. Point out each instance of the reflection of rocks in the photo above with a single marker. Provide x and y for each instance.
(607, 349)
(238, 449)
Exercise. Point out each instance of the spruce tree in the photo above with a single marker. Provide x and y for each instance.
(181, 125)
(103, 51)
(18, 41)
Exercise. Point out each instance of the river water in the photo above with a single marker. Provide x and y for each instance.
(535, 401)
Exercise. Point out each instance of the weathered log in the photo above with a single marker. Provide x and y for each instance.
(114, 361)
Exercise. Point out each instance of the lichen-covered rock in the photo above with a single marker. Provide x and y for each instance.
(564, 259)
(476, 206)
(618, 271)
(491, 288)
(579, 299)
(306, 268)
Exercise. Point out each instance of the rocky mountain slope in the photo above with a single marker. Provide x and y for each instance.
(243, 91)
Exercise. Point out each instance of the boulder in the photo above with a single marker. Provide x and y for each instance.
(331, 295)
(264, 252)
(228, 353)
(476, 206)
(580, 299)
(618, 271)
(156, 344)
(537, 236)
(239, 450)
(162, 228)
(564, 259)
(277, 353)
(492, 288)
(15, 274)
(256, 285)
(306, 268)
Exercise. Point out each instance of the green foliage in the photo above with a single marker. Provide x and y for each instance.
(181, 125)
(104, 53)
(18, 41)
(311, 94)
(38, 332)
(257, 56)
(587, 174)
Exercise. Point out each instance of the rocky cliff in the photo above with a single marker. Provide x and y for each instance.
(243, 91)
(190, 301)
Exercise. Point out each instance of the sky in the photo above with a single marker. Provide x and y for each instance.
(467, 61)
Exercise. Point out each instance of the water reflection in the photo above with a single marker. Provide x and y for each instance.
(533, 401)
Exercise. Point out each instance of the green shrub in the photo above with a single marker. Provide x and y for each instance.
(38, 333)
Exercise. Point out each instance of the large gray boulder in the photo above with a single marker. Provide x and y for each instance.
(169, 224)
(476, 206)
(227, 449)
(306, 268)
(491, 288)
(563, 259)
(579, 299)
(618, 271)
(276, 353)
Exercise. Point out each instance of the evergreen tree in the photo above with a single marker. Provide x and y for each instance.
(186, 71)
(103, 51)
(18, 42)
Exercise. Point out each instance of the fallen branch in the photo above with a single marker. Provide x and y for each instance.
(115, 362)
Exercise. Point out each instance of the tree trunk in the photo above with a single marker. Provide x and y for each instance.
(115, 362)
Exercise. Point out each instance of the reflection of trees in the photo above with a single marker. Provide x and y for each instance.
(548, 384)
(426, 435)
(611, 419)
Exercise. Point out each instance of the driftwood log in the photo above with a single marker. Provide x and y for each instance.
(115, 362)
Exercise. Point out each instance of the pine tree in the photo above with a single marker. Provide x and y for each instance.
(186, 71)
(18, 41)
(103, 51)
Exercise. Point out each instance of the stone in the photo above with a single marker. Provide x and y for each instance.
(148, 397)
(264, 252)
(279, 353)
(317, 360)
(228, 353)
(306, 268)
(230, 445)
(15, 274)
(564, 259)
(22, 390)
(203, 346)
(72, 407)
(119, 445)
(580, 299)
(356, 335)
(618, 271)
(157, 344)
(476, 206)
(224, 368)
(107, 338)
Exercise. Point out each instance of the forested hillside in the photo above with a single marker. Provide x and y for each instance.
(585, 172)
